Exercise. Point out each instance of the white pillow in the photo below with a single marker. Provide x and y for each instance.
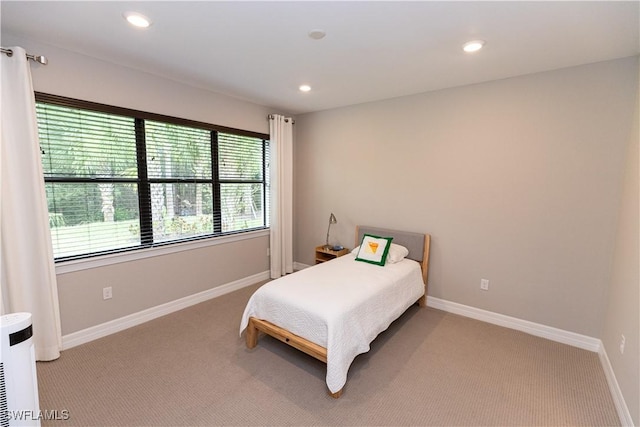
(396, 253)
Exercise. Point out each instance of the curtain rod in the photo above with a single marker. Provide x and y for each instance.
(286, 119)
(37, 58)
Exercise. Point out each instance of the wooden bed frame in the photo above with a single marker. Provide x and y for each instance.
(312, 349)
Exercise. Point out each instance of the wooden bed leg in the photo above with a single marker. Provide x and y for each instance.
(337, 394)
(251, 336)
(422, 302)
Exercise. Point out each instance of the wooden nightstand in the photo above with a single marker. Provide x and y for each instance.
(323, 254)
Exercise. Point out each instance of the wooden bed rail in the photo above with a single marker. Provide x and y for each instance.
(312, 349)
(306, 346)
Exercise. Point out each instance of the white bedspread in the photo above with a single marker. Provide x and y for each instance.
(341, 305)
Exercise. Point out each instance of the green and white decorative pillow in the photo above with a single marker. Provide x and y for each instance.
(374, 249)
(396, 253)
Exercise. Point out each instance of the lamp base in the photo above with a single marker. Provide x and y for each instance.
(333, 247)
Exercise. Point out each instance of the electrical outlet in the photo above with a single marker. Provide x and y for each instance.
(623, 340)
(484, 284)
(107, 293)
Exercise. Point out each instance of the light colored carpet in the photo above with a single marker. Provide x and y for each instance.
(428, 368)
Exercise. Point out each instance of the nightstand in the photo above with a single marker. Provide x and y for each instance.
(323, 254)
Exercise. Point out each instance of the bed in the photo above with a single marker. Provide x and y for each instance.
(334, 310)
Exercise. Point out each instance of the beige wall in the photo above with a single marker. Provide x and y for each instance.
(622, 316)
(529, 182)
(146, 283)
(78, 76)
(149, 282)
(518, 181)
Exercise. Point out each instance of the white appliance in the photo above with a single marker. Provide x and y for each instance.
(19, 404)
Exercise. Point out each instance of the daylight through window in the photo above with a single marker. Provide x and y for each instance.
(119, 179)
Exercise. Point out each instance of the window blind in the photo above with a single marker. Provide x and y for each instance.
(124, 181)
(91, 180)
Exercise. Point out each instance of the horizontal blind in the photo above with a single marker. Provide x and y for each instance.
(240, 158)
(241, 172)
(181, 182)
(175, 151)
(81, 143)
(267, 183)
(90, 169)
(118, 179)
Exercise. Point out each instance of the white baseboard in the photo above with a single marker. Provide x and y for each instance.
(300, 266)
(536, 329)
(554, 334)
(117, 325)
(614, 387)
(548, 332)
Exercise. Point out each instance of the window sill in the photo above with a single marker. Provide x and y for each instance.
(101, 261)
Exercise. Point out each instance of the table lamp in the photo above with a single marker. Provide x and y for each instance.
(332, 220)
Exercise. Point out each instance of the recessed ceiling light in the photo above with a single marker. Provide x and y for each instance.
(473, 46)
(317, 34)
(304, 88)
(136, 19)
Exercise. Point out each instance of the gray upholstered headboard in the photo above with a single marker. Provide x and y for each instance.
(412, 241)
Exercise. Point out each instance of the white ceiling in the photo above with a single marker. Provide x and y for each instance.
(260, 51)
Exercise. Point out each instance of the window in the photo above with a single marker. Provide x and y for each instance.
(118, 179)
